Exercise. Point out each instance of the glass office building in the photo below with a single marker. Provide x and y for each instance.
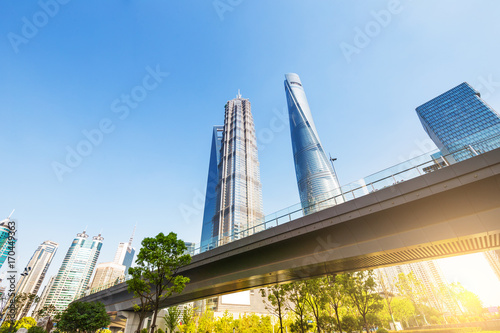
(208, 233)
(233, 206)
(460, 123)
(317, 182)
(75, 272)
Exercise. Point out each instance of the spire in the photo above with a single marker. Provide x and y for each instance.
(132, 237)
(239, 95)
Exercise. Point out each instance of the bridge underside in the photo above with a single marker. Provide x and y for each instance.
(452, 211)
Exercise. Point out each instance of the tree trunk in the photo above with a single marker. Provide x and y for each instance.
(338, 318)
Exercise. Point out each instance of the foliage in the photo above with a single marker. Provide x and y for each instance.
(103, 330)
(224, 324)
(141, 290)
(36, 329)
(26, 322)
(159, 331)
(17, 304)
(403, 309)
(336, 296)
(44, 311)
(277, 301)
(172, 318)
(361, 288)
(298, 304)
(187, 324)
(350, 324)
(206, 322)
(157, 264)
(411, 288)
(83, 317)
(316, 298)
(382, 330)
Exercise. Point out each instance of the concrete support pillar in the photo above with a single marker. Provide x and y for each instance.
(132, 320)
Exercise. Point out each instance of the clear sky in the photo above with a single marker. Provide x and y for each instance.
(66, 74)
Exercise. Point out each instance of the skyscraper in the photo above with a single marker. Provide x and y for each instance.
(459, 119)
(125, 253)
(5, 244)
(316, 179)
(493, 258)
(233, 203)
(108, 273)
(208, 232)
(32, 277)
(75, 272)
(238, 200)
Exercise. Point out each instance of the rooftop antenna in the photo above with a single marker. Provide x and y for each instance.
(132, 237)
(239, 95)
(85, 230)
(8, 218)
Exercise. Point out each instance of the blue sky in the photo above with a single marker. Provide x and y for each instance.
(71, 72)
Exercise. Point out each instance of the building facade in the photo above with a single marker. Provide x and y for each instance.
(34, 274)
(432, 287)
(125, 254)
(5, 245)
(316, 179)
(238, 191)
(75, 272)
(208, 232)
(493, 258)
(460, 123)
(233, 203)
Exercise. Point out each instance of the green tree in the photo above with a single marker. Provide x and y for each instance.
(470, 301)
(403, 309)
(16, 305)
(206, 322)
(361, 288)
(298, 304)
(187, 324)
(411, 288)
(83, 317)
(142, 291)
(157, 264)
(276, 303)
(336, 297)
(316, 298)
(224, 324)
(44, 311)
(172, 318)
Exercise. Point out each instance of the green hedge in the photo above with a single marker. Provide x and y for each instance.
(448, 330)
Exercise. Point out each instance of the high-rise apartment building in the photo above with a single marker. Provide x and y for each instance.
(460, 123)
(432, 283)
(125, 253)
(317, 182)
(45, 293)
(238, 191)
(108, 273)
(32, 277)
(75, 272)
(493, 258)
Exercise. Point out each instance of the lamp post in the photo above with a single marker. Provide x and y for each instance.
(336, 177)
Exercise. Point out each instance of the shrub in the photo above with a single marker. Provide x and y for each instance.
(36, 329)
(382, 330)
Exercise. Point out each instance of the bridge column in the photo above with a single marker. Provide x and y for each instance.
(132, 320)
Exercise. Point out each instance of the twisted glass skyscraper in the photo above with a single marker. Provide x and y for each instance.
(317, 182)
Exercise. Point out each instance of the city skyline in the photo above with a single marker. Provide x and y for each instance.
(65, 82)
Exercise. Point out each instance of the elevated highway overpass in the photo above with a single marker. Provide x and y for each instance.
(451, 211)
